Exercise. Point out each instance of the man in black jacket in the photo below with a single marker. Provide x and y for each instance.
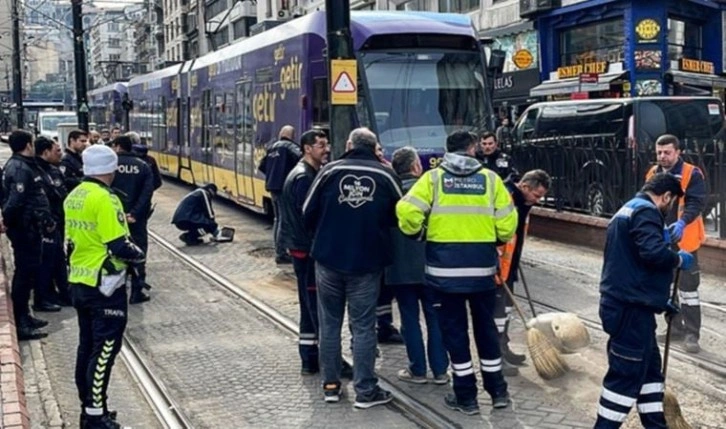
(297, 240)
(27, 217)
(491, 157)
(351, 209)
(72, 164)
(281, 157)
(195, 215)
(135, 184)
(55, 271)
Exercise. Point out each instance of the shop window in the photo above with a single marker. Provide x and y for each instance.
(684, 39)
(603, 41)
(458, 5)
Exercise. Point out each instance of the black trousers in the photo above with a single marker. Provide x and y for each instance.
(384, 310)
(101, 325)
(28, 255)
(140, 236)
(307, 294)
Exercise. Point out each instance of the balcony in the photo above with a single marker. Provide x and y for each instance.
(531, 8)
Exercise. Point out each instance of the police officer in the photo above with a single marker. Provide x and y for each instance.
(493, 158)
(27, 217)
(686, 224)
(101, 253)
(142, 151)
(297, 240)
(525, 193)
(135, 184)
(636, 276)
(55, 272)
(72, 164)
(463, 210)
(280, 158)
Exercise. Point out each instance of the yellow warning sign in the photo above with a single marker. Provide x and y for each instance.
(344, 87)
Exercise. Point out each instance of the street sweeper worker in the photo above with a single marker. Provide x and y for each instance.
(528, 191)
(463, 210)
(637, 272)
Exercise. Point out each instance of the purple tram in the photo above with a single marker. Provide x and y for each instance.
(420, 76)
(104, 105)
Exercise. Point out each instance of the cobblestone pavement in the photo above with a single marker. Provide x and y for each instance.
(248, 263)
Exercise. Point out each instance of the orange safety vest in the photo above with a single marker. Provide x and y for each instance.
(506, 254)
(695, 233)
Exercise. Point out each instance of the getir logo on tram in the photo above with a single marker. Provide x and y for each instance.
(266, 96)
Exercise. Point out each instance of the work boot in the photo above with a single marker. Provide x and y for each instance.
(35, 322)
(112, 414)
(138, 297)
(509, 370)
(26, 333)
(501, 401)
(469, 408)
(102, 422)
(510, 357)
(47, 307)
(691, 344)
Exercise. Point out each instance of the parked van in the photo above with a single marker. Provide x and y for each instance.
(599, 150)
(48, 122)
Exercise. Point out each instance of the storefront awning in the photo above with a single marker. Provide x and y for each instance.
(515, 28)
(698, 79)
(568, 86)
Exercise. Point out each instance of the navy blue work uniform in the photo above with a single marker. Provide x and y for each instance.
(297, 239)
(636, 276)
(279, 160)
(135, 186)
(195, 216)
(27, 216)
(55, 270)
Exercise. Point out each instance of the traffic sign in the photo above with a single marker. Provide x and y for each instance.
(344, 89)
(83, 108)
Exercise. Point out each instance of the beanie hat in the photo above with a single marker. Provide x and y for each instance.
(99, 160)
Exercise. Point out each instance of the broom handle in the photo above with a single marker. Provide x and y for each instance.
(516, 305)
(526, 290)
(667, 350)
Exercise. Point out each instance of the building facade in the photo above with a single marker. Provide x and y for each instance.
(176, 48)
(105, 48)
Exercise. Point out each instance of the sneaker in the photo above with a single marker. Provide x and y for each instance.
(103, 422)
(332, 392)
(469, 408)
(441, 379)
(511, 357)
(407, 376)
(379, 398)
(501, 401)
(283, 259)
(509, 370)
(346, 371)
(308, 370)
(691, 344)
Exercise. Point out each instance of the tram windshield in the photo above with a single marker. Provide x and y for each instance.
(418, 98)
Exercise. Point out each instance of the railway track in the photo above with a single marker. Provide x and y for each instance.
(403, 403)
(702, 360)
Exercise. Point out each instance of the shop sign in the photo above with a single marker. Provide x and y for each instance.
(647, 30)
(697, 66)
(522, 59)
(589, 78)
(515, 84)
(578, 69)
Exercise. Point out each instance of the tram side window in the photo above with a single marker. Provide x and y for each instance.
(321, 101)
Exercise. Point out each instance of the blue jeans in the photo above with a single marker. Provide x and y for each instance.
(408, 297)
(361, 293)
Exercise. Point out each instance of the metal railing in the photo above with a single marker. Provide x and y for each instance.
(596, 175)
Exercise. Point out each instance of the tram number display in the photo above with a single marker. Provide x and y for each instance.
(435, 162)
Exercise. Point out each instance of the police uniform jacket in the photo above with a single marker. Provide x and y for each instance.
(26, 210)
(409, 255)
(464, 210)
(134, 184)
(500, 163)
(281, 157)
(54, 187)
(293, 234)
(72, 168)
(351, 209)
(194, 209)
(638, 263)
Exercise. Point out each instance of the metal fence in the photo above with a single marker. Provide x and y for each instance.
(596, 175)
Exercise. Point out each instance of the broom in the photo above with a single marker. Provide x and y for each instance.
(546, 358)
(674, 417)
(526, 290)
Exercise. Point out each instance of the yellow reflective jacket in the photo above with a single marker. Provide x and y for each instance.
(463, 210)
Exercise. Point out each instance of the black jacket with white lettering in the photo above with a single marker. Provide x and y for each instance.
(280, 159)
(25, 206)
(72, 168)
(134, 185)
(351, 208)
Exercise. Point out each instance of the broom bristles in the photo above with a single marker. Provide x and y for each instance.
(671, 409)
(545, 357)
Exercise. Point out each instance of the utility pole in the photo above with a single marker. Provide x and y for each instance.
(79, 57)
(340, 47)
(17, 68)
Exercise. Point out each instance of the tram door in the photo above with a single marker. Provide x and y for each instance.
(209, 131)
(243, 138)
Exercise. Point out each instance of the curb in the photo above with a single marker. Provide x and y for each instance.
(13, 411)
